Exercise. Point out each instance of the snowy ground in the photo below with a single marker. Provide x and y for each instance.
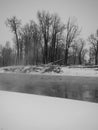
(53, 70)
(32, 112)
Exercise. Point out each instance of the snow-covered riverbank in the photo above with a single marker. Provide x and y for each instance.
(32, 112)
(53, 70)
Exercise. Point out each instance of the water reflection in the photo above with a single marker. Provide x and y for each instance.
(84, 93)
(78, 88)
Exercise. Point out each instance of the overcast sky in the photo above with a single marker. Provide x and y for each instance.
(86, 12)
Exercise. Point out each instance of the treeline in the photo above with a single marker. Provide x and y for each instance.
(47, 41)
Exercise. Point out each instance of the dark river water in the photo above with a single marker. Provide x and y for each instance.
(78, 88)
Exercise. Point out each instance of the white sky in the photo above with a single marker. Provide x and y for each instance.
(84, 10)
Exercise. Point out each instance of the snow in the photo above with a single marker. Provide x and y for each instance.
(80, 71)
(31, 112)
(57, 70)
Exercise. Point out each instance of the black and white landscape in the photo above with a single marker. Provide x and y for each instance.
(48, 65)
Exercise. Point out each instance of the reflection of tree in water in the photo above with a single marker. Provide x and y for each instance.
(84, 93)
(96, 95)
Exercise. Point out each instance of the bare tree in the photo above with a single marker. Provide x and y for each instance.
(36, 36)
(30, 37)
(26, 37)
(1, 58)
(79, 51)
(45, 21)
(74, 52)
(44, 41)
(72, 31)
(93, 40)
(6, 54)
(14, 24)
(91, 56)
(56, 35)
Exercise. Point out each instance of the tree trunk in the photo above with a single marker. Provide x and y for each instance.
(96, 59)
(53, 47)
(74, 59)
(97, 54)
(66, 57)
(17, 42)
(45, 53)
(80, 61)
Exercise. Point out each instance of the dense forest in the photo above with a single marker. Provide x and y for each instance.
(49, 40)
